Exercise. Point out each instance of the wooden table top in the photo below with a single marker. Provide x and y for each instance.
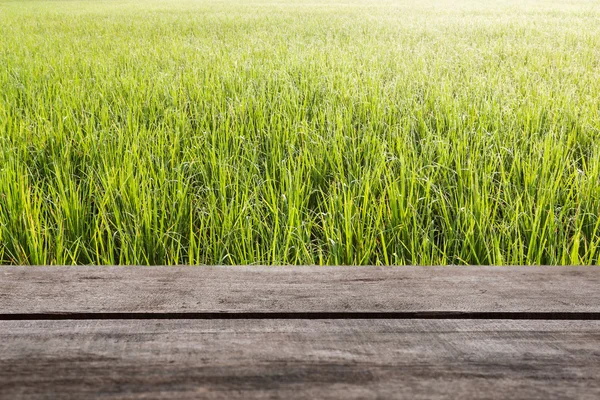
(300, 332)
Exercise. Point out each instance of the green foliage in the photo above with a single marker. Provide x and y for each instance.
(286, 132)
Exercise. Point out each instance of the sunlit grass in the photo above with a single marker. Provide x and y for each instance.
(287, 132)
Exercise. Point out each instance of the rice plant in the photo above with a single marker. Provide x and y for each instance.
(294, 132)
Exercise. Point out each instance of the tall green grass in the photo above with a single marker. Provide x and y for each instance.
(294, 132)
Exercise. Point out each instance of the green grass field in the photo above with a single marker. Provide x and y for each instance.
(300, 132)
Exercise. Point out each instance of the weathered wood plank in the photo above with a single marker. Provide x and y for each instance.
(298, 289)
(300, 359)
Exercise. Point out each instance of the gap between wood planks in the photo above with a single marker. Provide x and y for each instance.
(549, 316)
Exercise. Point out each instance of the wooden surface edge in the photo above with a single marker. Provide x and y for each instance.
(306, 289)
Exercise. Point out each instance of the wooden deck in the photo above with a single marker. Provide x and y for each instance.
(300, 332)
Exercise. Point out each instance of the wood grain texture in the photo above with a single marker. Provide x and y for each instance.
(298, 289)
(409, 359)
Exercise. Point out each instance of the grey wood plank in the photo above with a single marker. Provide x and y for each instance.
(298, 289)
(370, 359)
